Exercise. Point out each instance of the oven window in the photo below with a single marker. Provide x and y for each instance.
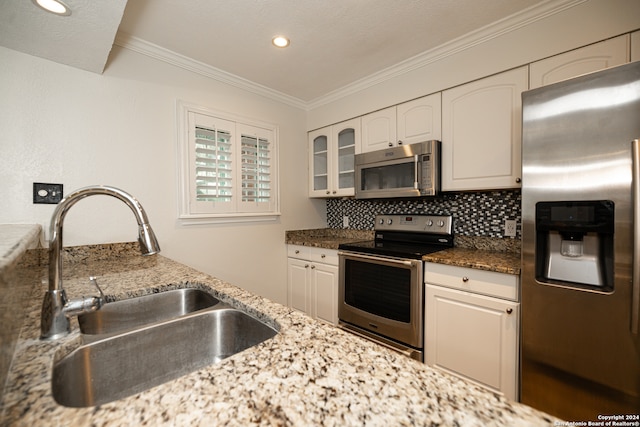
(378, 289)
(401, 175)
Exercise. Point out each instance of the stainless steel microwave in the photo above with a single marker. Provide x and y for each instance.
(405, 171)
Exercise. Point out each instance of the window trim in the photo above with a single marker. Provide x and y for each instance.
(185, 214)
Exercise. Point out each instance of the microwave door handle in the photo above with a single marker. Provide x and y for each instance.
(415, 172)
(635, 275)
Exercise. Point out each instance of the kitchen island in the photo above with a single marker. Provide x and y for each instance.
(310, 373)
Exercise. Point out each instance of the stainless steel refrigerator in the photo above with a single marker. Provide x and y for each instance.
(580, 355)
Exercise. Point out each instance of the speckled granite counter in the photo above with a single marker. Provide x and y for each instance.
(483, 253)
(15, 239)
(328, 238)
(310, 374)
(501, 262)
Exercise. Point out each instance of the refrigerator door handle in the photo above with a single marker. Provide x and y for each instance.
(635, 263)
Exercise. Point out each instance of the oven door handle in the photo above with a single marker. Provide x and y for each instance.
(375, 258)
(406, 351)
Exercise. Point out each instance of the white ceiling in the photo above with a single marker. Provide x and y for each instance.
(334, 43)
(82, 40)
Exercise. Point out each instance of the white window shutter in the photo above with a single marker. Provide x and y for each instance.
(211, 164)
(228, 167)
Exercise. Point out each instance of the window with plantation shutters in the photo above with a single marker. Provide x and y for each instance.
(213, 167)
(228, 167)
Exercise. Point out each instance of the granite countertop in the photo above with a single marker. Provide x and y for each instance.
(328, 238)
(310, 373)
(483, 253)
(501, 262)
(15, 239)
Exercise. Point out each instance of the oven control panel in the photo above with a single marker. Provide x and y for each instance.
(434, 224)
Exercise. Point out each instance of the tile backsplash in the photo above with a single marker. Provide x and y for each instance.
(474, 213)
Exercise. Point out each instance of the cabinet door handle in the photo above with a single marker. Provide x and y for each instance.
(509, 310)
(323, 256)
(465, 279)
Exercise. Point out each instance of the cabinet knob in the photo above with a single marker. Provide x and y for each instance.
(518, 180)
(297, 251)
(465, 279)
(313, 266)
(391, 144)
(323, 256)
(509, 310)
(306, 266)
(334, 191)
(328, 192)
(399, 142)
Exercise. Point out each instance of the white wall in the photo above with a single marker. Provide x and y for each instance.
(485, 54)
(63, 125)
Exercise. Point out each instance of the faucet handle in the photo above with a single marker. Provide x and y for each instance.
(85, 304)
(94, 282)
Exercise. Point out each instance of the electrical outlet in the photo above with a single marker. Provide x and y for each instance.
(47, 193)
(345, 222)
(510, 227)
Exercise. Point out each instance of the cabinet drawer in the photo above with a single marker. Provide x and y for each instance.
(325, 256)
(297, 251)
(490, 283)
(309, 253)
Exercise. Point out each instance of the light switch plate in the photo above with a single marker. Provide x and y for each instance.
(47, 193)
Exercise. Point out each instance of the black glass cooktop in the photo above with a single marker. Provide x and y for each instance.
(384, 244)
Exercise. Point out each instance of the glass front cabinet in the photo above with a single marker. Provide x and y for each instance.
(331, 159)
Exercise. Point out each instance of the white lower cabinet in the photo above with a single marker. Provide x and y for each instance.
(312, 282)
(472, 325)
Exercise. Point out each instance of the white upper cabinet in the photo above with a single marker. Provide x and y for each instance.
(420, 120)
(379, 130)
(332, 153)
(414, 121)
(635, 46)
(481, 133)
(588, 59)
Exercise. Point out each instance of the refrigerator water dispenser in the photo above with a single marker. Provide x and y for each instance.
(575, 243)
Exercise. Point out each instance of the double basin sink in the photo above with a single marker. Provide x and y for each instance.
(139, 343)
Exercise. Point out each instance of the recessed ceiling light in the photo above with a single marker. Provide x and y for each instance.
(54, 6)
(280, 41)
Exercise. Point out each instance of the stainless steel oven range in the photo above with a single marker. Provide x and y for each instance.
(381, 293)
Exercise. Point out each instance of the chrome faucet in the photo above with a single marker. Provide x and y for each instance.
(56, 309)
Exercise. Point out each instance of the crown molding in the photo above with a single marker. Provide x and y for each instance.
(151, 50)
(467, 41)
(482, 35)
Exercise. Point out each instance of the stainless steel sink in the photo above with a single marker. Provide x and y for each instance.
(135, 312)
(128, 363)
